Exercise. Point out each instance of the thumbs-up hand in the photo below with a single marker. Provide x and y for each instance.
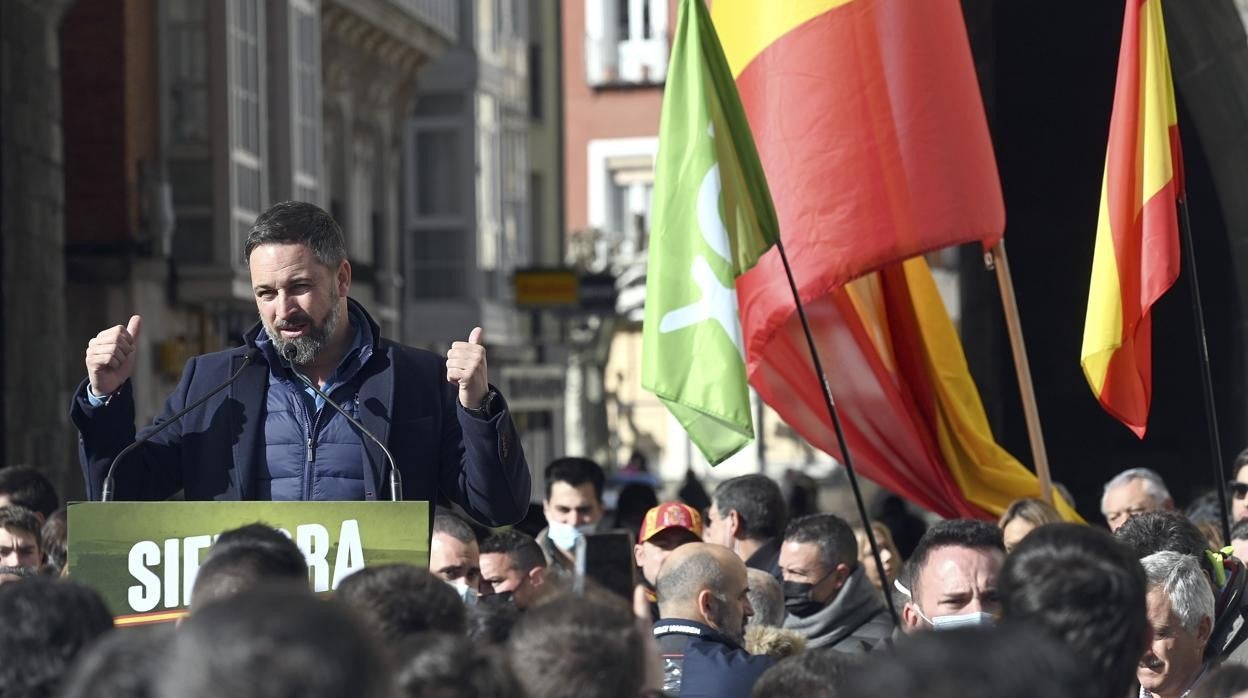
(465, 365)
(110, 356)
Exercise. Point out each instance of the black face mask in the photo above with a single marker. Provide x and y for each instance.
(798, 600)
(497, 599)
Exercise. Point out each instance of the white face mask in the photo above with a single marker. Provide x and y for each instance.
(467, 594)
(564, 536)
(960, 620)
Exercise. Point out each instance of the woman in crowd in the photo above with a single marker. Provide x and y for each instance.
(1023, 516)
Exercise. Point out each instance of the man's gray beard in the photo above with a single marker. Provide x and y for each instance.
(21, 571)
(313, 341)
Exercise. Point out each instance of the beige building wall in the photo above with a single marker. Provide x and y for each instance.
(638, 420)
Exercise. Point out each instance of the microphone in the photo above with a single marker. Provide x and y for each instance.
(396, 481)
(106, 494)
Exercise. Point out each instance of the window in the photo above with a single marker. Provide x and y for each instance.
(489, 182)
(360, 230)
(621, 189)
(305, 100)
(437, 172)
(439, 265)
(535, 82)
(437, 166)
(625, 41)
(186, 50)
(245, 23)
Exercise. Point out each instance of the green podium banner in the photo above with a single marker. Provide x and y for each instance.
(143, 556)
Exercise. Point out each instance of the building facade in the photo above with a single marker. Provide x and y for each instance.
(482, 173)
(615, 65)
(167, 127)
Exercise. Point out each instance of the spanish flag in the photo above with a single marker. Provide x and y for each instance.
(871, 131)
(1136, 258)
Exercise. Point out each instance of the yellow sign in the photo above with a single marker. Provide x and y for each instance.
(547, 288)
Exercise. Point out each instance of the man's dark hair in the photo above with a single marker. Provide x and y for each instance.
(301, 223)
(579, 647)
(490, 621)
(962, 533)
(121, 665)
(272, 642)
(241, 567)
(44, 624)
(575, 472)
(759, 504)
(1085, 589)
(402, 600)
(453, 526)
(14, 517)
(523, 551)
(1155, 531)
(973, 663)
(28, 487)
(260, 535)
(831, 534)
(815, 673)
(245, 557)
(1240, 461)
(52, 540)
(436, 665)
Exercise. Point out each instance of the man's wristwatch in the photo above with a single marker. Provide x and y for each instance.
(488, 407)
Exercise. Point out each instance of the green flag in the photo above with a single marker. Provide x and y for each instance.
(712, 219)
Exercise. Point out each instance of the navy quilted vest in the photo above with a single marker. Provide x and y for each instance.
(311, 455)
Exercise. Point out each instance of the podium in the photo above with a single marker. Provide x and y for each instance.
(143, 556)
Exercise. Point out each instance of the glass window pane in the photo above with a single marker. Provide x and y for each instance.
(437, 173)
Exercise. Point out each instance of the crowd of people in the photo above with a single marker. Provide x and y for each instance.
(740, 600)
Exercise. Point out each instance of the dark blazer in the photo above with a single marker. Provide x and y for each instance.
(405, 401)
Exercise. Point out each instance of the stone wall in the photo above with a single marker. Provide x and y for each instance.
(35, 385)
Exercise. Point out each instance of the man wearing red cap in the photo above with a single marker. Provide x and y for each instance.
(665, 528)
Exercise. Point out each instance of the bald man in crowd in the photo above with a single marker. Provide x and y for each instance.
(703, 600)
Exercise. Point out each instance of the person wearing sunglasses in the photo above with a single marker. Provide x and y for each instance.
(1239, 487)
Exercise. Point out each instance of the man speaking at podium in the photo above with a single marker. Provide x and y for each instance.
(269, 436)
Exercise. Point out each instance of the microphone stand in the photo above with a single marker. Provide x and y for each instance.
(107, 491)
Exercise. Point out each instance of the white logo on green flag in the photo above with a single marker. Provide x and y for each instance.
(719, 300)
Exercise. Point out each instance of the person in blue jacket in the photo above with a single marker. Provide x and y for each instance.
(270, 437)
(703, 604)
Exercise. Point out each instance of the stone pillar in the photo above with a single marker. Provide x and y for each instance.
(35, 381)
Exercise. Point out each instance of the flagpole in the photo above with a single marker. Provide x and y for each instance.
(840, 434)
(1206, 374)
(1022, 367)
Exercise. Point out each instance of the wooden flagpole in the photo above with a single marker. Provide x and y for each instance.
(997, 260)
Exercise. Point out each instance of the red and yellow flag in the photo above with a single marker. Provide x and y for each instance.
(871, 130)
(1136, 258)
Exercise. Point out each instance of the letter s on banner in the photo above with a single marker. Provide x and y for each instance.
(144, 596)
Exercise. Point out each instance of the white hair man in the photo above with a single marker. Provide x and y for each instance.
(1132, 492)
(1180, 611)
